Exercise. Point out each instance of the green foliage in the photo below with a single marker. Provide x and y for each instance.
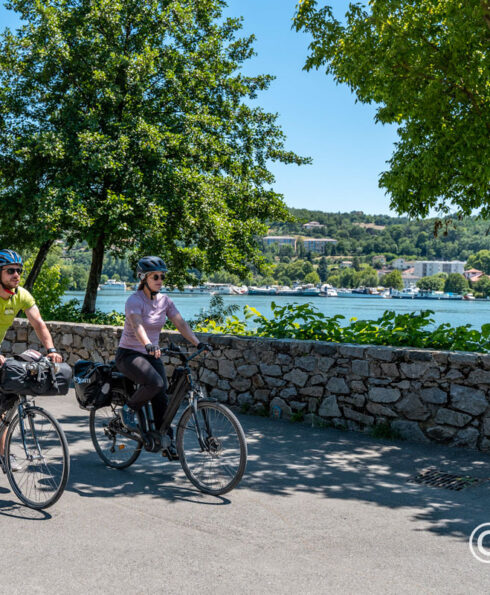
(71, 312)
(425, 64)
(132, 126)
(393, 280)
(480, 261)
(217, 312)
(305, 322)
(482, 287)
(48, 288)
(456, 283)
(297, 416)
(432, 283)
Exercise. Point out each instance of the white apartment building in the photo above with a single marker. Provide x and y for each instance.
(426, 268)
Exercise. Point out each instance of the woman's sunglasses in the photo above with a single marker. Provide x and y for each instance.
(11, 271)
(156, 277)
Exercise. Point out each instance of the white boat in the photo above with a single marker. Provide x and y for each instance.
(469, 296)
(328, 291)
(407, 293)
(112, 285)
(252, 290)
(187, 289)
(220, 288)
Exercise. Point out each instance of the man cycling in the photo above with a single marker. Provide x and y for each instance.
(13, 299)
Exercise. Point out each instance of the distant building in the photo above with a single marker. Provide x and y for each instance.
(401, 264)
(427, 268)
(281, 240)
(313, 225)
(346, 264)
(473, 275)
(317, 244)
(379, 259)
(409, 277)
(371, 226)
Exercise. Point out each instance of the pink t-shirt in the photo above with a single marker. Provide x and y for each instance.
(154, 314)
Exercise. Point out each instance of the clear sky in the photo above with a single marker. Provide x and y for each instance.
(320, 119)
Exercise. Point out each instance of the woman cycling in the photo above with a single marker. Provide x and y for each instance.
(138, 355)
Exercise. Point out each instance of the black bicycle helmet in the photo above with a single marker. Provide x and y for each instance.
(148, 264)
(10, 257)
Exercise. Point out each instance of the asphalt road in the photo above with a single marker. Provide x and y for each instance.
(318, 511)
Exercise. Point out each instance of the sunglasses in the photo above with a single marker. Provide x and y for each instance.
(156, 277)
(11, 271)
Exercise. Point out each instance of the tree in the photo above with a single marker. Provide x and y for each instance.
(432, 283)
(456, 283)
(323, 269)
(482, 287)
(392, 279)
(426, 65)
(312, 277)
(480, 261)
(140, 131)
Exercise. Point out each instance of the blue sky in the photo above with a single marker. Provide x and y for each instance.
(320, 119)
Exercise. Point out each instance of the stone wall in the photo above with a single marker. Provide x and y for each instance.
(423, 395)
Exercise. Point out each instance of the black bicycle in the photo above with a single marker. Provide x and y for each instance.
(211, 444)
(35, 451)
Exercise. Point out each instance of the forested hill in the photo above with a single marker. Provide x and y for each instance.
(365, 235)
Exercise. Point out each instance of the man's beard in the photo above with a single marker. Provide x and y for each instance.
(10, 285)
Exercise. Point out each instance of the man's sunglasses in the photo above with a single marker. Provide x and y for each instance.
(11, 271)
(155, 277)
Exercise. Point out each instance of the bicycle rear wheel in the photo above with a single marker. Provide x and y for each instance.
(215, 463)
(37, 460)
(113, 448)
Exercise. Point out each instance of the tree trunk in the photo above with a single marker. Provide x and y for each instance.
(38, 263)
(94, 276)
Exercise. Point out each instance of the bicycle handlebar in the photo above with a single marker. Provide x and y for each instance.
(174, 350)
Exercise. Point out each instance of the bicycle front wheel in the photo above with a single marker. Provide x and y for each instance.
(212, 448)
(113, 448)
(37, 460)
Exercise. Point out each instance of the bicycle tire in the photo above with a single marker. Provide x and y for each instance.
(109, 444)
(219, 467)
(45, 467)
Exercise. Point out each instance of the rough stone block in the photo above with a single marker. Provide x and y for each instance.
(262, 395)
(312, 391)
(297, 377)
(433, 395)
(270, 370)
(307, 363)
(453, 374)
(360, 367)
(221, 395)
(377, 409)
(390, 370)
(468, 399)
(463, 359)
(416, 370)
(19, 348)
(247, 370)
(467, 438)
(479, 377)
(288, 393)
(329, 407)
(381, 353)
(337, 386)
(317, 379)
(440, 433)
(241, 384)
(452, 418)
(325, 363)
(361, 418)
(412, 407)
(274, 382)
(357, 386)
(245, 398)
(379, 394)
(208, 377)
(298, 405)
(226, 368)
(355, 400)
(352, 351)
(409, 430)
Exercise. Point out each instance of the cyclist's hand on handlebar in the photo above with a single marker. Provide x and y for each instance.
(2, 360)
(55, 357)
(153, 350)
(205, 346)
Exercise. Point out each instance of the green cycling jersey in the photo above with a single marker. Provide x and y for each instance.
(21, 300)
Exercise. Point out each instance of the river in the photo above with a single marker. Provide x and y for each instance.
(457, 313)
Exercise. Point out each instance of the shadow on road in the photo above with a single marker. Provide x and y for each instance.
(288, 459)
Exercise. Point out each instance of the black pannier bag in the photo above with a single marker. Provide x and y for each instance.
(92, 384)
(34, 378)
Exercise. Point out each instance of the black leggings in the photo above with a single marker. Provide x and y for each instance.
(149, 373)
